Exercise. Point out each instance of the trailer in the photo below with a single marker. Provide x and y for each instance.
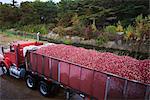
(49, 73)
(84, 81)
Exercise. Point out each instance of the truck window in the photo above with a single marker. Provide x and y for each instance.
(12, 49)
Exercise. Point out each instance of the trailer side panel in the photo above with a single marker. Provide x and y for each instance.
(74, 78)
(116, 88)
(99, 85)
(86, 83)
(64, 73)
(47, 68)
(54, 68)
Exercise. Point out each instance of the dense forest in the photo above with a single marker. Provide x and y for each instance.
(87, 18)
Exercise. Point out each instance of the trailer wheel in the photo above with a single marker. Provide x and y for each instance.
(44, 89)
(75, 96)
(31, 82)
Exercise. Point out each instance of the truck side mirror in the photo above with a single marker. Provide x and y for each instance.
(2, 49)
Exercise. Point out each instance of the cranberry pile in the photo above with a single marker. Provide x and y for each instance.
(123, 66)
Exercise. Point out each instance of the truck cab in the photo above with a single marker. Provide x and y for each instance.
(14, 59)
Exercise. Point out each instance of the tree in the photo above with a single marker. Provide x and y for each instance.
(97, 13)
(28, 14)
(9, 16)
(14, 3)
(47, 11)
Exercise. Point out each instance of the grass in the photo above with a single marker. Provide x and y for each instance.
(9, 37)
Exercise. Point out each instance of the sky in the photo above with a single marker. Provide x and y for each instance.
(8, 1)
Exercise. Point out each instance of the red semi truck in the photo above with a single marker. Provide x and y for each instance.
(50, 73)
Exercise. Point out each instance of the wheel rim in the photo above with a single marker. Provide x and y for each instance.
(30, 82)
(43, 89)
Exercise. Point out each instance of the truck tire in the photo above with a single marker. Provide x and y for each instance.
(77, 97)
(31, 82)
(44, 89)
(5, 70)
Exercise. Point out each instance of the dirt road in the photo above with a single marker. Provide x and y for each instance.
(15, 89)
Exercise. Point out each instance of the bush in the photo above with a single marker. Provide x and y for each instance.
(59, 30)
(88, 32)
(50, 26)
(35, 28)
(142, 26)
(119, 27)
(78, 30)
(43, 29)
(110, 29)
(129, 32)
(28, 28)
(67, 42)
(101, 39)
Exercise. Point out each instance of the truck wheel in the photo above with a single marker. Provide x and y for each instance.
(77, 97)
(44, 89)
(31, 82)
(4, 69)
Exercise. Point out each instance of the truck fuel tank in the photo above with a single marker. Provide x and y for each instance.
(17, 72)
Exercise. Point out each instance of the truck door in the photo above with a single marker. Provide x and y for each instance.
(11, 55)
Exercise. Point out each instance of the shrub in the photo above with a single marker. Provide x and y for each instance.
(119, 27)
(59, 30)
(142, 26)
(101, 39)
(110, 29)
(66, 41)
(129, 31)
(43, 29)
(50, 26)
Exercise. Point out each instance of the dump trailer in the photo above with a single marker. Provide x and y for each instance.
(86, 82)
(49, 73)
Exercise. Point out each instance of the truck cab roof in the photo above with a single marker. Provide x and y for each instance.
(26, 43)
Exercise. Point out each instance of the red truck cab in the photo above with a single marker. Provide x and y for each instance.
(15, 54)
(13, 58)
